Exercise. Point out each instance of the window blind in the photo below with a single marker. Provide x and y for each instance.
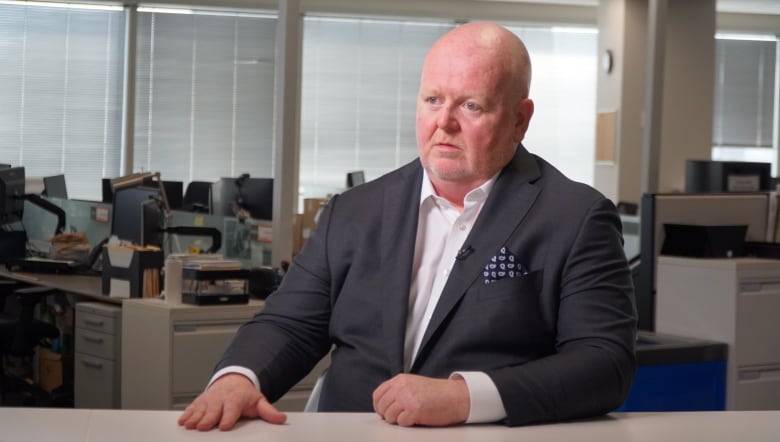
(744, 93)
(563, 88)
(61, 93)
(359, 97)
(204, 95)
(359, 92)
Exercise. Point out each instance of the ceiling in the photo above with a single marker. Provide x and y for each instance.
(738, 6)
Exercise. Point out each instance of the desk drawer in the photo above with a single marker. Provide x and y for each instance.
(98, 344)
(758, 389)
(757, 327)
(98, 317)
(196, 350)
(96, 382)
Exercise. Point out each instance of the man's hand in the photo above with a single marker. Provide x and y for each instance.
(226, 400)
(409, 400)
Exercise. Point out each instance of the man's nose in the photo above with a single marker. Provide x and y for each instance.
(446, 119)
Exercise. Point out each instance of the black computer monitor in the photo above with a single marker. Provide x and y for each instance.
(223, 193)
(107, 190)
(11, 194)
(152, 218)
(705, 176)
(355, 178)
(174, 191)
(129, 208)
(255, 195)
(54, 186)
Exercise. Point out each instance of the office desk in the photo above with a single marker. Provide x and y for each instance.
(86, 286)
(112, 364)
(24, 424)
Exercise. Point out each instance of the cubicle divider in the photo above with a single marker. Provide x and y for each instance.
(248, 241)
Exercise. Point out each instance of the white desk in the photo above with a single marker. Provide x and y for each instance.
(26, 424)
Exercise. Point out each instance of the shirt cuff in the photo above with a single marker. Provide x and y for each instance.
(249, 374)
(484, 400)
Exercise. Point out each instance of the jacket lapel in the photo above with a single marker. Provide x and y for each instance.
(399, 229)
(508, 203)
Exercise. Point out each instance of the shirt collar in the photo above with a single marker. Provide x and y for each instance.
(477, 194)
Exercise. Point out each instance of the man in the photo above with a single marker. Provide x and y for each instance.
(476, 284)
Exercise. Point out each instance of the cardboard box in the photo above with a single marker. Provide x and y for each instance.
(54, 369)
(297, 233)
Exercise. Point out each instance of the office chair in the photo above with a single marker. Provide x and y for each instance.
(197, 197)
(313, 402)
(20, 333)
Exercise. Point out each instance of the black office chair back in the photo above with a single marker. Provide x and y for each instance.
(197, 197)
(23, 333)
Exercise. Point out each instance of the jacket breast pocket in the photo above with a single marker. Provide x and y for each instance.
(524, 286)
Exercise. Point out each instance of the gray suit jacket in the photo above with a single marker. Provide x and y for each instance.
(558, 342)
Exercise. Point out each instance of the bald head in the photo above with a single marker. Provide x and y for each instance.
(492, 46)
(473, 107)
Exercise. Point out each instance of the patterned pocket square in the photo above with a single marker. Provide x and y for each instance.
(503, 266)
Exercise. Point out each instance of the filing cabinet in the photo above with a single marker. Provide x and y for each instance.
(97, 367)
(170, 350)
(736, 301)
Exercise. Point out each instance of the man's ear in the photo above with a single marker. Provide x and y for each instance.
(523, 113)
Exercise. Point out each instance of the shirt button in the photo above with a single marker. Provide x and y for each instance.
(462, 226)
(445, 272)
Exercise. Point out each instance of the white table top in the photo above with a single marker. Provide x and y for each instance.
(31, 424)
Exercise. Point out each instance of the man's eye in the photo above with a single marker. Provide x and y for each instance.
(432, 100)
(472, 106)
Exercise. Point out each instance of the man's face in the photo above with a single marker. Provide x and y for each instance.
(469, 116)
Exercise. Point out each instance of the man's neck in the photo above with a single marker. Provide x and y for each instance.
(453, 192)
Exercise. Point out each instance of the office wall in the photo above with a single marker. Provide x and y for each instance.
(689, 75)
(686, 92)
(622, 30)
(633, 101)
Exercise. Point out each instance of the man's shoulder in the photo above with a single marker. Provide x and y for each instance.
(396, 187)
(563, 187)
(395, 178)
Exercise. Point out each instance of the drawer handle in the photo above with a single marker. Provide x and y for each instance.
(95, 339)
(93, 364)
(97, 323)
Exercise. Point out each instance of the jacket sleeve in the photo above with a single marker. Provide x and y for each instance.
(284, 341)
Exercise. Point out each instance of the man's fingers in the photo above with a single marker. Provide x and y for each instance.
(185, 416)
(231, 412)
(390, 414)
(269, 413)
(209, 418)
(379, 396)
(405, 419)
(223, 403)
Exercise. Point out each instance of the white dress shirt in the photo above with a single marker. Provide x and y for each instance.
(441, 232)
